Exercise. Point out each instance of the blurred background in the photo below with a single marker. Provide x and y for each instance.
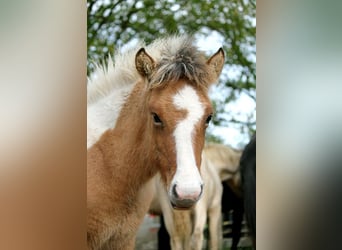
(116, 25)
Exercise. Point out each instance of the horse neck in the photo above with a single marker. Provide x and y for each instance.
(132, 145)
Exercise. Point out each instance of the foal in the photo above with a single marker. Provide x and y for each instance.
(146, 114)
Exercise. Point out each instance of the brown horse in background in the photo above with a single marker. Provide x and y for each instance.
(147, 113)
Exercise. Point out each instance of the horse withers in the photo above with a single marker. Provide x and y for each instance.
(147, 113)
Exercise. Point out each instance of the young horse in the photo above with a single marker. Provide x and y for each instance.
(148, 113)
(186, 227)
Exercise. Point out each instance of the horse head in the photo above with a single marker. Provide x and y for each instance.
(179, 113)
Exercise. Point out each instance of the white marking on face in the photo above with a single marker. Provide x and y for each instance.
(187, 176)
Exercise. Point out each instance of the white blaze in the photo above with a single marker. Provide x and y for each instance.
(187, 176)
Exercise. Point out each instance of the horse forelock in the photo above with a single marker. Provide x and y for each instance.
(181, 59)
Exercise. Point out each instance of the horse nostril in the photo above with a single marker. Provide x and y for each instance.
(201, 190)
(174, 192)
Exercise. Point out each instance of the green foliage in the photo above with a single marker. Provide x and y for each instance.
(213, 139)
(112, 24)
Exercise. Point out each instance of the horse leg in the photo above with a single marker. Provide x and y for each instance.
(215, 227)
(237, 223)
(163, 236)
(182, 229)
(176, 243)
(174, 240)
(200, 221)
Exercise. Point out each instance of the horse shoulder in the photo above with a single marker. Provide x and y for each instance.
(97, 178)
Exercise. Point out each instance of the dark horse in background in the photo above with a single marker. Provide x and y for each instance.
(231, 201)
(248, 182)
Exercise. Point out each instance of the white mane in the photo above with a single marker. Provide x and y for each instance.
(114, 75)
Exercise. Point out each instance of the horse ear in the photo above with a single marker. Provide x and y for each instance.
(144, 63)
(216, 62)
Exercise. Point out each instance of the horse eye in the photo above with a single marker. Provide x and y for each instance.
(156, 119)
(208, 119)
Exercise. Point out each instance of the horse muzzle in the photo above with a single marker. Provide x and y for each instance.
(184, 197)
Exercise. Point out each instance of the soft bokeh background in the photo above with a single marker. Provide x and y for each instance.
(299, 124)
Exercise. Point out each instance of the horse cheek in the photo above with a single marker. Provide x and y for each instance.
(166, 157)
(198, 144)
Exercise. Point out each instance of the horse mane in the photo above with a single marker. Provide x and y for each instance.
(113, 74)
(176, 57)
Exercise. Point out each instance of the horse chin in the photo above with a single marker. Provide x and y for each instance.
(181, 208)
(183, 204)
